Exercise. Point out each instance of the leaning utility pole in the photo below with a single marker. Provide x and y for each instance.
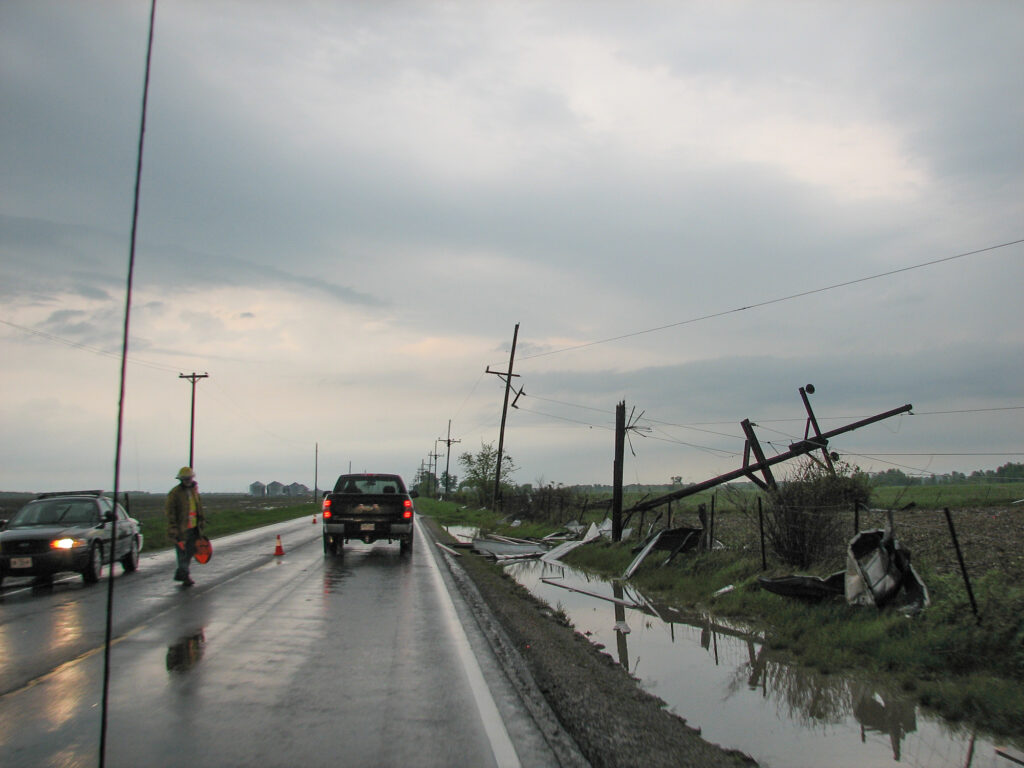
(193, 377)
(448, 456)
(504, 412)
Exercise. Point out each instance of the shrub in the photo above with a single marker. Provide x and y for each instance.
(803, 525)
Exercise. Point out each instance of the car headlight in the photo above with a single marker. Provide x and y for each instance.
(67, 543)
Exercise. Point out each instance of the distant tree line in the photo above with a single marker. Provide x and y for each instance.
(1008, 472)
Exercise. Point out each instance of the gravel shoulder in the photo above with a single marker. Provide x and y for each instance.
(604, 714)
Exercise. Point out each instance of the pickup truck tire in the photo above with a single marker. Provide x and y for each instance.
(405, 545)
(332, 547)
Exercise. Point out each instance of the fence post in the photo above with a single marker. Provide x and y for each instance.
(760, 520)
(711, 524)
(963, 568)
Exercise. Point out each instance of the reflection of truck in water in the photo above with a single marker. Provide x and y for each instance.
(368, 508)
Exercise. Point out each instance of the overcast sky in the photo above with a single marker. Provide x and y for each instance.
(346, 208)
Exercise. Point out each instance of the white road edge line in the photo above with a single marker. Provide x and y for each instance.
(501, 745)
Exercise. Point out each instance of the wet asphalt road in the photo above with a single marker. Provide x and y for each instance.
(366, 660)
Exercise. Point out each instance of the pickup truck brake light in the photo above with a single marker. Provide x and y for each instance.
(407, 509)
(326, 508)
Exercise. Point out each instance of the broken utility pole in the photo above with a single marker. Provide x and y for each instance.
(507, 378)
(620, 445)
(801, 448)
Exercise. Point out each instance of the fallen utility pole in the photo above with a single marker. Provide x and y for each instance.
(818, 443)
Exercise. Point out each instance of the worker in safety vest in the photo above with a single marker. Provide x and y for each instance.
(185, 521)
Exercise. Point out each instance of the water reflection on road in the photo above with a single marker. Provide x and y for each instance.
(722, 679)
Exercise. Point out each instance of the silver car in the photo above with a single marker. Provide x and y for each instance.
(68, 531)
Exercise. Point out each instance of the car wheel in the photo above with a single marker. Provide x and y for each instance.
(405, 546)
(94, 568)
(130, 562)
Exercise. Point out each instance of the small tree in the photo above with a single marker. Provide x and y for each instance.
(449, 483)
(480, 470)
(803, 524)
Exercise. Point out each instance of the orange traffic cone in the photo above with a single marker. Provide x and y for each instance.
(314, 519)
(279, 550)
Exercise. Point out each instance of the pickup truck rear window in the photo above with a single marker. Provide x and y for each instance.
(377, 484)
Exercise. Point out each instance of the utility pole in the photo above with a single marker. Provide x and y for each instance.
(620, 446)
(448, 456)
(193, 377)
(435, 456)
(504, 413)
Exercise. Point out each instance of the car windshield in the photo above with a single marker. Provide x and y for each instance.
(364, 484)
(55, 512)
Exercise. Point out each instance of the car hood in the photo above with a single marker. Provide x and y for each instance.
(43, 532)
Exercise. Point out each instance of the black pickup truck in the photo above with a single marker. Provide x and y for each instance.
(367, 507)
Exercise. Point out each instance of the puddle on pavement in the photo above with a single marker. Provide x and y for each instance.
(723, 680)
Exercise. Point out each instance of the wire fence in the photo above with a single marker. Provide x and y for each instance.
(991, 538)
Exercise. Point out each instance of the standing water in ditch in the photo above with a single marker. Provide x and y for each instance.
(723, 680)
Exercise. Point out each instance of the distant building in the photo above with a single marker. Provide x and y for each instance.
(257, 489)
(296, 489)
(275, 489)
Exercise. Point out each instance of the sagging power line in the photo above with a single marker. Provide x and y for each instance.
(777, 300)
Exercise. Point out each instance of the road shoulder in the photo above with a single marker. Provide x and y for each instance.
(600, 708)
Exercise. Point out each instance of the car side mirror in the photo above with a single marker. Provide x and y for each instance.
(414, 494)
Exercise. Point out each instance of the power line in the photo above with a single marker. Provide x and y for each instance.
(947, 453)
(86, 347)
(776, 300)
(969, 410)
(563, 418)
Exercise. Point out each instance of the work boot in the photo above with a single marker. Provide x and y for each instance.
(179, 576)
(187, 581)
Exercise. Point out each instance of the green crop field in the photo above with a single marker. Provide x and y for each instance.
(954, 496)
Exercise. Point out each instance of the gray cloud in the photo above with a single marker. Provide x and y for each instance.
(411, 178)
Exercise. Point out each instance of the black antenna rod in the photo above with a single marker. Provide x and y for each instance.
(120, 402)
